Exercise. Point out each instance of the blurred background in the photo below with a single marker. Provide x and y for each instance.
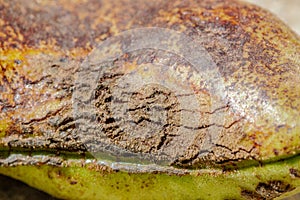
(287, 10)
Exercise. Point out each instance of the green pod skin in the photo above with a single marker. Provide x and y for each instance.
(255, 156)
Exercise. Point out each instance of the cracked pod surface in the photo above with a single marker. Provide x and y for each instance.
(190, 147)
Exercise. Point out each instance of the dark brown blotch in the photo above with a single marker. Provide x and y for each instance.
(273, 189)
(294, 172)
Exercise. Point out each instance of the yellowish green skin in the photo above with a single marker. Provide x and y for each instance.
(75, 182)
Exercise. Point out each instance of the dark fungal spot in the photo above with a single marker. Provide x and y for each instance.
(268, 190)
(273, 189)
(18, 62)
(294, 173)
(63, 60)
(276, 152)
(250, 194)
(73, 182)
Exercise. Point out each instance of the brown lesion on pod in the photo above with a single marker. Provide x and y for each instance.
(254, 52)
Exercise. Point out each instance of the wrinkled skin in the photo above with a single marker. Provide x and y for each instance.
(42, 45)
